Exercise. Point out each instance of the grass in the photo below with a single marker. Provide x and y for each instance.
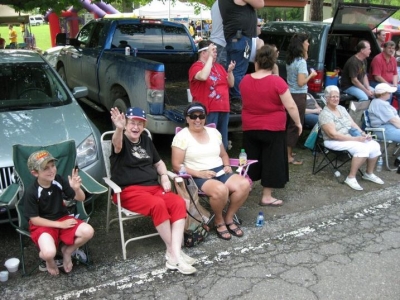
(42, 35)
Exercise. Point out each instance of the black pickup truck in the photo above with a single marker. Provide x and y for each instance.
(153, 75)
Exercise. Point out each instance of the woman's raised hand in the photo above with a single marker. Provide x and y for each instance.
(118, 118)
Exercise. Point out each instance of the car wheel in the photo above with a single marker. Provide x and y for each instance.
(61, 72)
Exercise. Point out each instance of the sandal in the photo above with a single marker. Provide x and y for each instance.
(221, 234)
(236, 230)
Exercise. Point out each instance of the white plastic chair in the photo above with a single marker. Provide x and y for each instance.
(123, 214)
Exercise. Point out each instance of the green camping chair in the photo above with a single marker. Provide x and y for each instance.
(65, 153)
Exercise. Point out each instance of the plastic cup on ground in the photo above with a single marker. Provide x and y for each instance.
(3, 276)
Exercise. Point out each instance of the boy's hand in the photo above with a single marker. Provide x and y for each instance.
(75, 180)
(69, 223)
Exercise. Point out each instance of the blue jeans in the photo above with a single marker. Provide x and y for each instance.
(358, 93)
(392, 133)
(397, 93)
(222, 56)
(221, 120)
(235, 50)
(310, 120)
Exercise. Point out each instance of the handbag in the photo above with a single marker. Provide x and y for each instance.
(196, 228)
(354, 131)
(312, 137)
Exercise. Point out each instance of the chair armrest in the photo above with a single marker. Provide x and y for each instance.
(112, 185)
(171, 175)
(9, 196)
(90, 185)
(378, 129)
(234, 162)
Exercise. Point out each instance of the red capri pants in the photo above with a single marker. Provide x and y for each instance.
(153, 201)
(65, 235)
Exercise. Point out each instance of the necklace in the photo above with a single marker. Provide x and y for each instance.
(136, 143)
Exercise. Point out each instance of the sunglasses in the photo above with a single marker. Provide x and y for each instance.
(194, 117)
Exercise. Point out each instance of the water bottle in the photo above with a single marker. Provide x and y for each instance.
(260, 219)
(242, 158)
(182, 170)
(379, 164)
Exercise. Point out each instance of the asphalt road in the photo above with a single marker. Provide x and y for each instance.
(326, 242)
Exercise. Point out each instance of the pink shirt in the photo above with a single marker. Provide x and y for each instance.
(262, 105)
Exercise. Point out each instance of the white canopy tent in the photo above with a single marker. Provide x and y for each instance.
(203, 14)
(168, 10)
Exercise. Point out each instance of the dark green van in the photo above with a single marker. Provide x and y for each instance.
(331, 44)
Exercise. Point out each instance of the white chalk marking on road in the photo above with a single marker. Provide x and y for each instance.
(128, 281)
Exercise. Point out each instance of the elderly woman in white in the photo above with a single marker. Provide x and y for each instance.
(340, 132)
(383, 114)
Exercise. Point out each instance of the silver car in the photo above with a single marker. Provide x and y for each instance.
(36, 108)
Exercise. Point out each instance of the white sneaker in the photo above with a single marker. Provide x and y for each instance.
(372, 177)
(186, 258)
(181, 266)
(352, 182)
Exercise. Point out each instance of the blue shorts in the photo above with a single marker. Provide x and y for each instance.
(200, 181)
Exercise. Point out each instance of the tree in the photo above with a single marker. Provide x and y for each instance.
(316, 10)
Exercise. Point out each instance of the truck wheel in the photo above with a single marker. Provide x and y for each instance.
(121, 104)
(61, 72)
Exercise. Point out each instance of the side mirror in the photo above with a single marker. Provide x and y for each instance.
(80, 92)
(61, 39)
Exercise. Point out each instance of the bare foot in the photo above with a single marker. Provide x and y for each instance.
(52, 267)
(67, 261)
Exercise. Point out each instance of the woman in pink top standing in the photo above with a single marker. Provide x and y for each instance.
(265, 97)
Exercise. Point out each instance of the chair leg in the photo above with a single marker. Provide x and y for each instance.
(21, 244)
(22, 249)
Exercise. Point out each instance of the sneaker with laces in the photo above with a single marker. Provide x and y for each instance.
(352, 182)
(372, 177)
(186, 258)
(181, 266)
(43, 268)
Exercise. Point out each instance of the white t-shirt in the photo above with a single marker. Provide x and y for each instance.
(200, 156)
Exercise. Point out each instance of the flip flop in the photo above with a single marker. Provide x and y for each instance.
(272, 203)
(295, 162)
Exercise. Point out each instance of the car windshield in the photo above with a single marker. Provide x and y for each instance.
(29, 86)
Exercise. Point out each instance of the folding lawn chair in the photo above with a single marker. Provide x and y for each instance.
(380, 137)
(123, 214)
(325, 157)
(65, 153)
(234, 163)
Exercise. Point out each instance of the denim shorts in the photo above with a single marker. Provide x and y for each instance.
(200, 181)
